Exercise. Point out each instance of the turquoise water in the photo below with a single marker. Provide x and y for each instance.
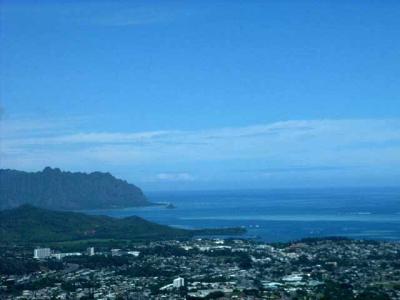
(280, 215)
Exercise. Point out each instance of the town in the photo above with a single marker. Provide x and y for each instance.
(327, 268)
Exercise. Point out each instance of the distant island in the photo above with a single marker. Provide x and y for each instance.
(26, 224)
(56, 189)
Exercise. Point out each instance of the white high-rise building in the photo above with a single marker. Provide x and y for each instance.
(41, 253)
(178, 282)
(90, 251)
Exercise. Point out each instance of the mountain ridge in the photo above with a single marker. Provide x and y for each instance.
(55, 189)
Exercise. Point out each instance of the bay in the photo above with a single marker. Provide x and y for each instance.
(280, 215)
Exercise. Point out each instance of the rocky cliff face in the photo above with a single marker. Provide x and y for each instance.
(55, 189)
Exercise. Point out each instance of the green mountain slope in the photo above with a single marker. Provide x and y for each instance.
(31, 224)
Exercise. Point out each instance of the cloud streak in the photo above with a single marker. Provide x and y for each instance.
(175, 177)
(292, 146)
(297, 169)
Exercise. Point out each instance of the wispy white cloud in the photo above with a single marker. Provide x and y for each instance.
(298, 169)
(174, 177)
(26, 128)
(278, 146)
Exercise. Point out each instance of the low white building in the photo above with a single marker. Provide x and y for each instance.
(293, 278)
(41, 253)
(134, 253)
(62, 255)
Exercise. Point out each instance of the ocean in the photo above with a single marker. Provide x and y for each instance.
(280, 215)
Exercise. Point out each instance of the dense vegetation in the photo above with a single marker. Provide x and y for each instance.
(55, 189)
(18, 266)
(31, 224)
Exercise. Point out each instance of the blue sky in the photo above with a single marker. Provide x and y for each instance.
(204, 94)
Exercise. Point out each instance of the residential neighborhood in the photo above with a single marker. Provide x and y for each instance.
(329, 268)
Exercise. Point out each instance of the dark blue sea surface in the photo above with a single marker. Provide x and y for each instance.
(280, 215)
